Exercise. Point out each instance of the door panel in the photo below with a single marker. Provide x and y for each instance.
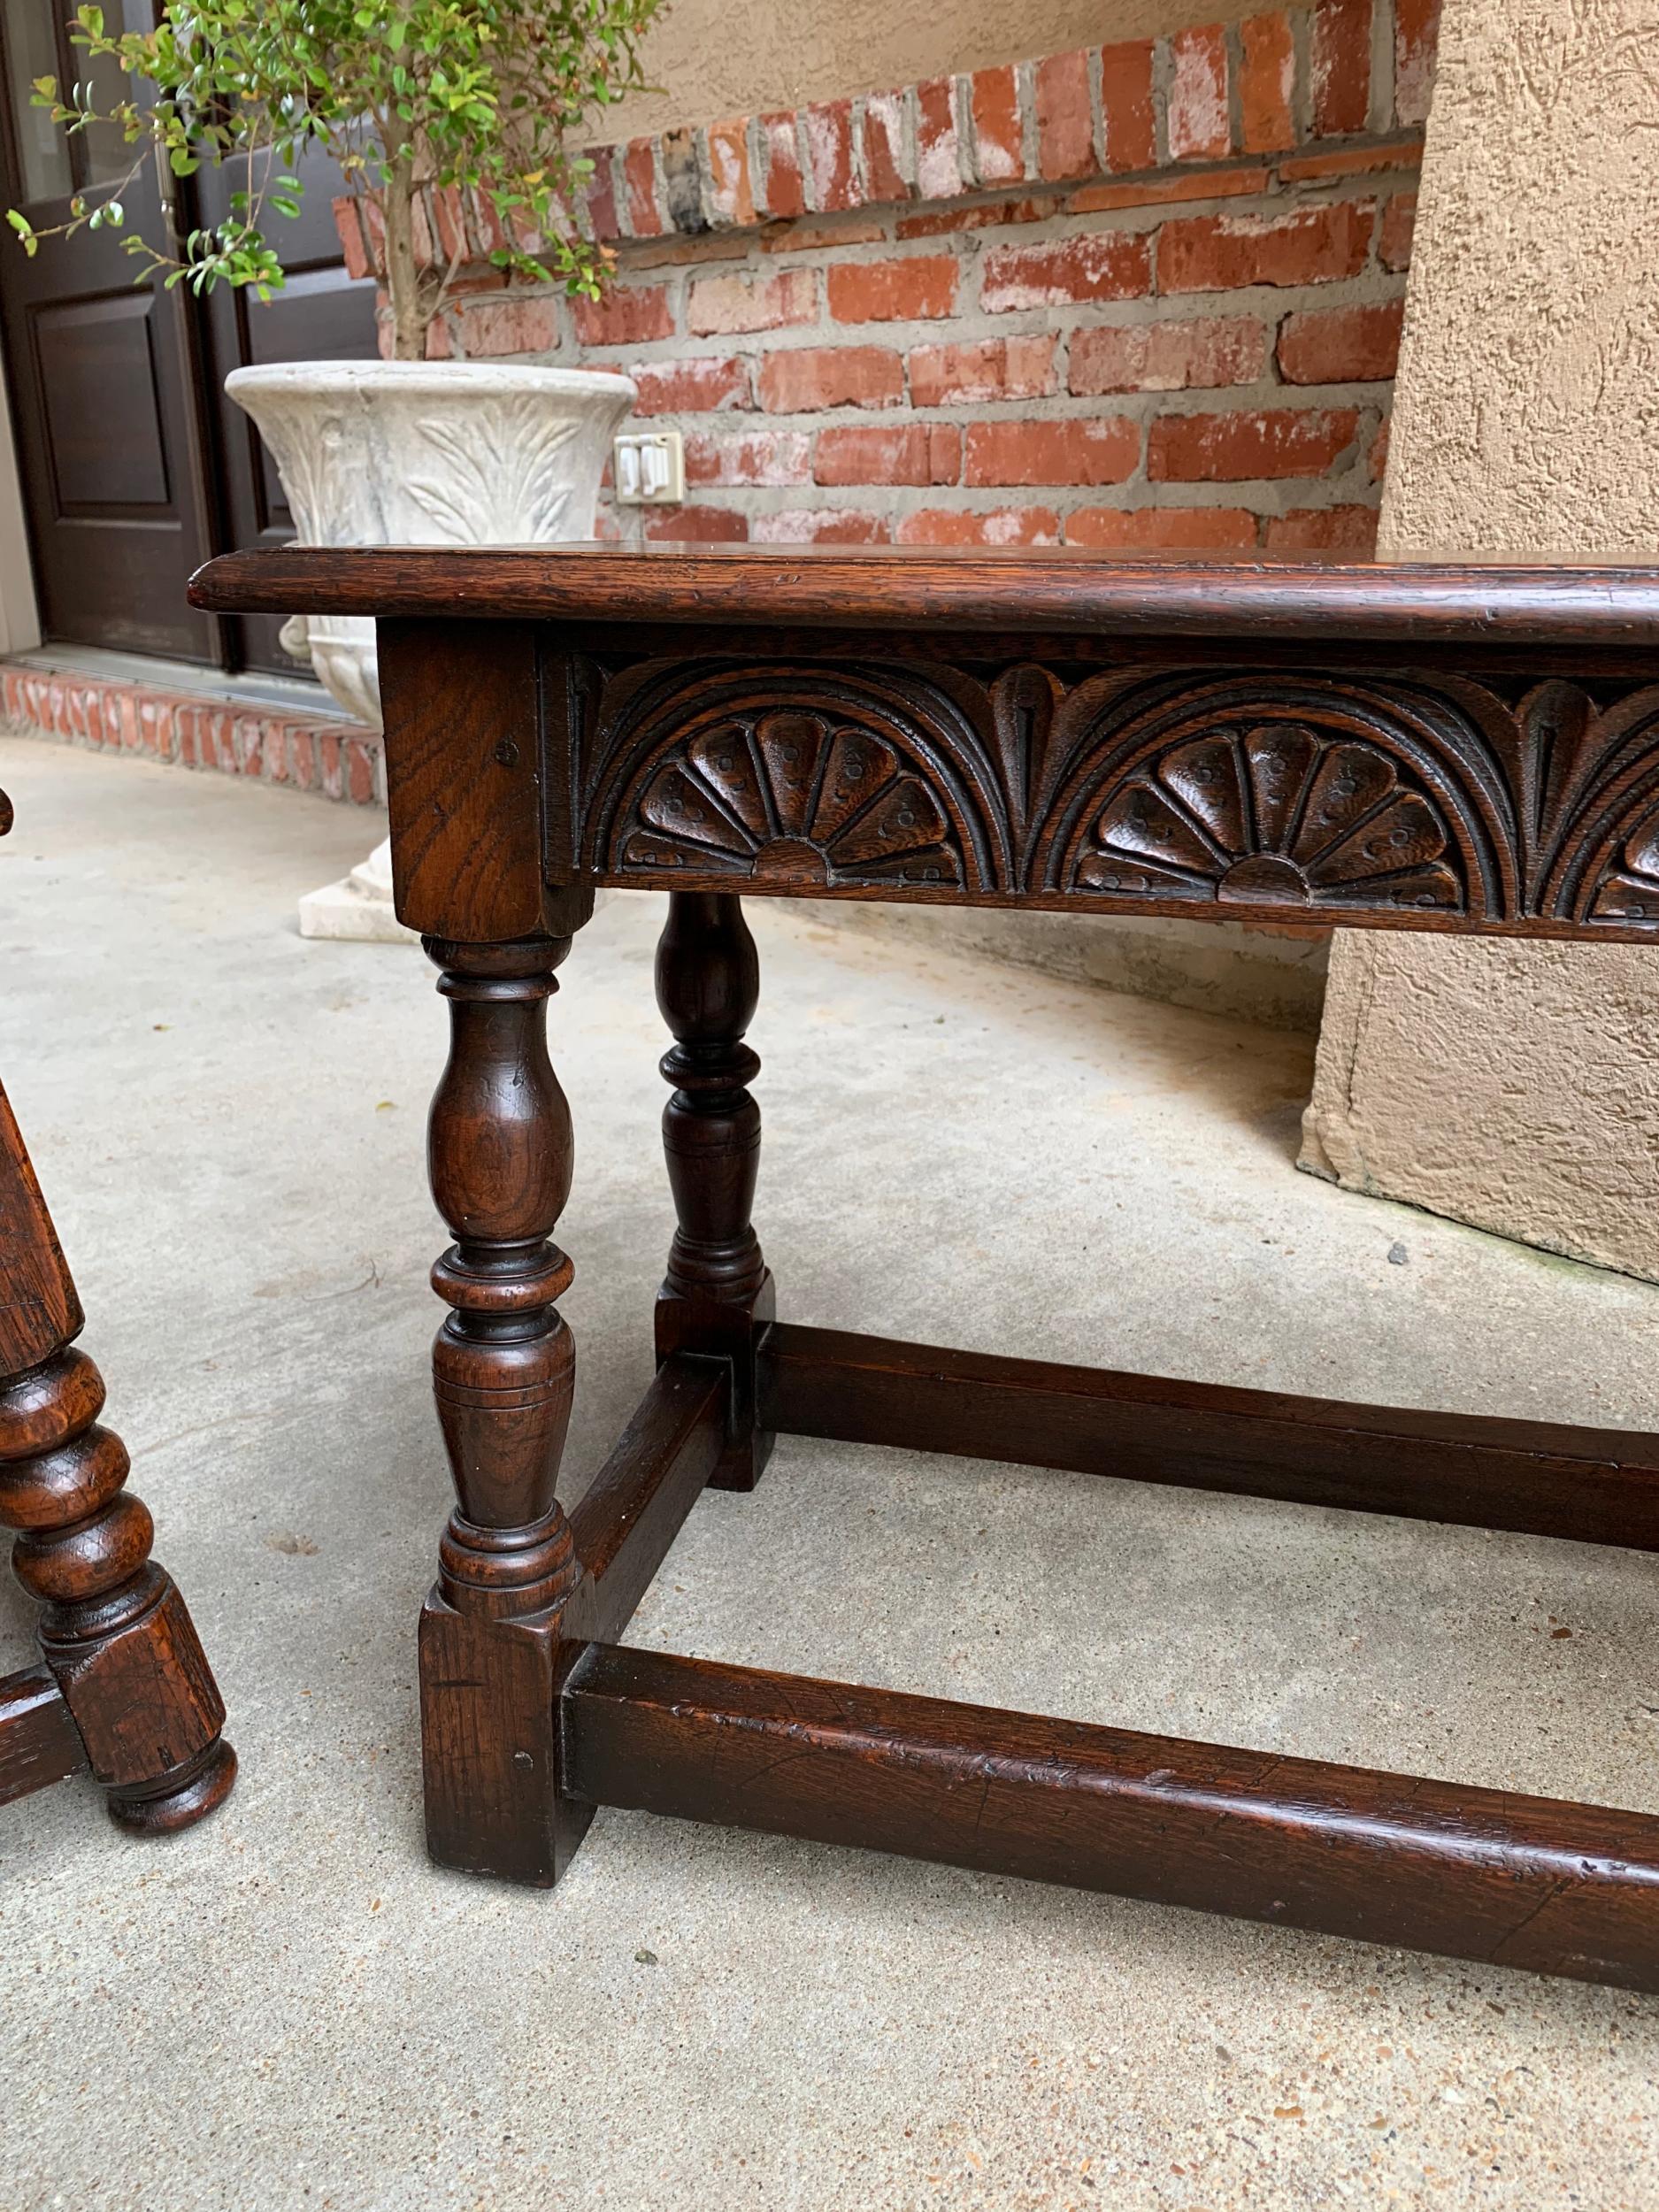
(108, 448)
(135, 468)
(105, 465)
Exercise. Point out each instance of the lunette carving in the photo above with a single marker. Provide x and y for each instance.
(1281, 792)
(794, 775)
(1342, 794)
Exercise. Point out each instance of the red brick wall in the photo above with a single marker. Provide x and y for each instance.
(1144, 296)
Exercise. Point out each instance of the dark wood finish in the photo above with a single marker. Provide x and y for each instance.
(40, 1307)
(1265, 793)
(1494, 769)
(496, 1802)
(465, 784)
(129, 1679)
(1542, 1478)
(1384, 1858)
(633, 1509)
(1454, 749)
(521, 1586)
(39, 1743)
(717, 1294)
(1066, 592)
(124, 1655)
(504, 1370)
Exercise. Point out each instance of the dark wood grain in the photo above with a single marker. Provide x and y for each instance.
(1059, 590)
(504, 1368)
(1420, 797)
(1477, 1874)
(39, 1743)
(717, 1294)
(730, 721)
(118, 1641)
(115, 1632)
(1466, 749)
(40, 1311)
(633, 1507)
(464, 775)
(1542, 1478)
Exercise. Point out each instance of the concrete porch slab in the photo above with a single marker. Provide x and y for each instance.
(289, 2007)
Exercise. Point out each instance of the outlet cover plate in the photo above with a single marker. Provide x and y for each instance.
(649, 468)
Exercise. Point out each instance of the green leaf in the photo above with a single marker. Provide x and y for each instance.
(492, 91)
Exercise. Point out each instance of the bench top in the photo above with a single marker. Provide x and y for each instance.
(1416, 745)
(1057, 592)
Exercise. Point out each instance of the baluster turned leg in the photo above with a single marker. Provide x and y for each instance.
(504, 1372)
(717, 1295)
(113, 1628)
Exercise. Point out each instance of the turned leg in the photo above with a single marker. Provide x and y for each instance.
(113, 1628)
(503, 1371)
(717, 1298)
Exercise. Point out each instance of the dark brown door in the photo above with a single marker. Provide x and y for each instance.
(319, 315)
(100, 377)
(135, 467)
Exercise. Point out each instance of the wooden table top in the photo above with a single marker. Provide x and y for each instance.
(1398, 745)
(1058, 591)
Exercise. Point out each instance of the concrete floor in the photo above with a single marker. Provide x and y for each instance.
(289, 2007)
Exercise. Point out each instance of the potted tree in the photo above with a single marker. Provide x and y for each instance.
(476, 101)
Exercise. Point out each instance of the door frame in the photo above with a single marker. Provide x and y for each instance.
(19, 609)
(209, 435)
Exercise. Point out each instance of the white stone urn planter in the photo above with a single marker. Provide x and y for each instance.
(413, 453)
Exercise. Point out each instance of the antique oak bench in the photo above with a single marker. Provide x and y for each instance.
(1435, 748)
(125, 1690)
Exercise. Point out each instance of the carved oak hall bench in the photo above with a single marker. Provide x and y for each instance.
(1410, 747)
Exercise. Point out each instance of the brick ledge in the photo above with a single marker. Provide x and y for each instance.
(194, 729)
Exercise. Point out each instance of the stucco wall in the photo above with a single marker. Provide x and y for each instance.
(1515, 1087)
(717, 58)
(1527, 415)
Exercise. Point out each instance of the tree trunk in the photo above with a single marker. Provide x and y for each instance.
(410, 317)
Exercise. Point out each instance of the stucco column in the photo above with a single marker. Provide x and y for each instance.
(1516, 1086)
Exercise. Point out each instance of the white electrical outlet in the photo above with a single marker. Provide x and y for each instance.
(650, 468)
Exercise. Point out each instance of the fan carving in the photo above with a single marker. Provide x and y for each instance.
(1272, 814)
(1629, 892)
(794, 797)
